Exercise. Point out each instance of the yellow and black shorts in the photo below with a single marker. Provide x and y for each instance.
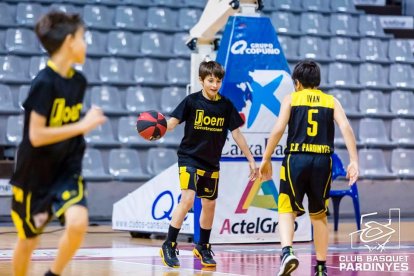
(204, 183)
(26, 205)
(302, 174)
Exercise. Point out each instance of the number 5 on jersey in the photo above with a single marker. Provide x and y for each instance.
(312, 130)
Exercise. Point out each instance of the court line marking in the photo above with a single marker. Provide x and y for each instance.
(178, 270)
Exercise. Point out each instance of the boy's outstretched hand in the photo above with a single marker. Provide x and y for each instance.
(93, 118)
(265, 171)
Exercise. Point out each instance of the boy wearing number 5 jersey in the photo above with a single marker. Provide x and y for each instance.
(306, 168)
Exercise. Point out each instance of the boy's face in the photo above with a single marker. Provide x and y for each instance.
(211, 86)
(78, 46)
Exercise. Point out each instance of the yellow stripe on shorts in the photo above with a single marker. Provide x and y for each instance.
(284, 204)
(184, 178)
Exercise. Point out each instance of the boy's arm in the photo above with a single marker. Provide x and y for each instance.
(265, 171)
(241, 142)
(348, 134)
(172, 123)
(42, 135)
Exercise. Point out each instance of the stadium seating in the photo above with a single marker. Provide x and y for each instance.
(159, 159)
(400, 50)
(125, 165)
(27, 14)
(402, 103)
(372, 133)
(402, 132)
(92, 166)
(372, 49)
(139, 99)
(170, 98)
(23, 93)
(109, 99)
(7, 105)
(102, 136)
(372, 165)
(374, 103)
(402, 163)
(14, 129)
(343, 49)
(343, 25)
(155, 44)
(123, 43)
(149, 71)
(21, 41)
(130, 18)
(127, 133)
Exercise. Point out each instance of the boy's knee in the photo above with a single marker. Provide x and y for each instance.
(187, 203)
(29, 243)
(207, 203)
(77, 225)
(318, 217)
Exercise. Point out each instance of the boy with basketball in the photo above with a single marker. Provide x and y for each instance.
(208, 117)
(47, 179)
(306, 168)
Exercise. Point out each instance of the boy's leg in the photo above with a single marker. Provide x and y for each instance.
(76, 224)
(289, 262)
(207, 213)
(169, 250)
(286, 228)
(179, 213)
(203, 249)
(321, 237)
(318, 202)
(22, 254)
(29, 224)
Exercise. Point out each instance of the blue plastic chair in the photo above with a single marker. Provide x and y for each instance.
(337, 195)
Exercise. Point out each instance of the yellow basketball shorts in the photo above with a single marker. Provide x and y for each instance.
(204, 183)
(27, 206)
(302, 174)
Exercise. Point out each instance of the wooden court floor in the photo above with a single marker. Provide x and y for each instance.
(112, 253)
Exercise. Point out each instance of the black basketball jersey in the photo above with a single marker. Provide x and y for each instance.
(59, 100)
(206, 127)
(311, 123)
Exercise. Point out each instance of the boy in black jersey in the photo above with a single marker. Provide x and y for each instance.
(47, 179)
(208, 117)
(306, 168)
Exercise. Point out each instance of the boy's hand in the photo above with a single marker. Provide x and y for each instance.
(253, 170)
(265, 171)
(352, 172)
(93, 118)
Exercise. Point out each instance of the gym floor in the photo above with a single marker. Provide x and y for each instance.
(111, 253)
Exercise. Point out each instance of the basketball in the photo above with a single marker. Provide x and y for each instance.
(151, 125)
